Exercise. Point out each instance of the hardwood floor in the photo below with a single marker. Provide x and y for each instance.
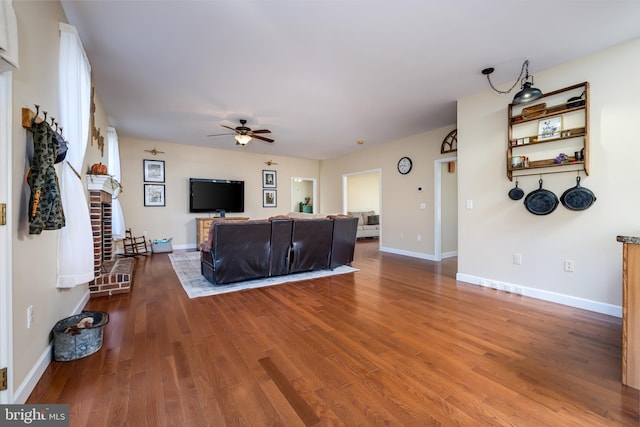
(400, 342)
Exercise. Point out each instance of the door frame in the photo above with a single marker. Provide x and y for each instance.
(6, 297)
(345, 196)
(315, 191)
(437, 183)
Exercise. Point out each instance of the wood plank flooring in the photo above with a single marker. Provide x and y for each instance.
(399, 342)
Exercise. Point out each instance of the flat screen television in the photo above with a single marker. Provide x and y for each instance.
(215, 195)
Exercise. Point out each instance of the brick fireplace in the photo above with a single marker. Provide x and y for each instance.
(112, 276)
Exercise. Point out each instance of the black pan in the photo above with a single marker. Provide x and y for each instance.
(541, 201)
(516, 193)
(577, 198)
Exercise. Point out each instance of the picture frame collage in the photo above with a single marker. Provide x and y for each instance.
(269, 189)
(154, 178)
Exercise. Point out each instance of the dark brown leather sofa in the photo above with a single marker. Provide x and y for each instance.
(245, 250)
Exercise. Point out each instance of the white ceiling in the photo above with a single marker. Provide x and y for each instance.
(322, 74)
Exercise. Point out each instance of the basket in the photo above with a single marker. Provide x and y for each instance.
(161, 245)
(534, 111)
(71, 342)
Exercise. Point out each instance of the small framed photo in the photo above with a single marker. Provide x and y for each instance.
(269, 199)
(154, 195)
(153, 170)
(549, 128)
(269, 179)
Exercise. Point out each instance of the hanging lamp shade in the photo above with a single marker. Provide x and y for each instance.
(527, 94)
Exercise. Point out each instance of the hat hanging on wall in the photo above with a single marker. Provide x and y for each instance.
(527, 92)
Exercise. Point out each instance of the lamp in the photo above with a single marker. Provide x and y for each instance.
(243, 139)
(527, 93)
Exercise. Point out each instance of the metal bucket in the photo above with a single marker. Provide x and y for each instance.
(71, 343)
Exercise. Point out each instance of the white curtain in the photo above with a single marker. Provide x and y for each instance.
(75, 244)
(113, 159)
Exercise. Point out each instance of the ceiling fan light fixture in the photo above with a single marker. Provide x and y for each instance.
(243, 139)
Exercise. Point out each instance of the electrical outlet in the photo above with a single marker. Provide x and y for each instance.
(517, 259)
(568, 265)
(469, 204)
(29, 316)
(418, 237)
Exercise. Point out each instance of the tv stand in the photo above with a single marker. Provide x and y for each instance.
(203, 224)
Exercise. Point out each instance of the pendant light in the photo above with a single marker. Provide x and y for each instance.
(527, 92)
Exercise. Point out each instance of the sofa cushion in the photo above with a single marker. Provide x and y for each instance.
(373, 220)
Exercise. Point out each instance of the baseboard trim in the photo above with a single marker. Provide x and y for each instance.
(412, 254)
(24, 391)
(451, 254)
(568, 300)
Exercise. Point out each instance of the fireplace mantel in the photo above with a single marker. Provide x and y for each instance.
(104, 183)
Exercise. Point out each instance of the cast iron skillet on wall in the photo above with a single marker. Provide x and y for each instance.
(541, 201)
(516, 192)
(577, 198)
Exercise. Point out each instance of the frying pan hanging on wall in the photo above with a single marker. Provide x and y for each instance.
(577, 198)
(541, 201)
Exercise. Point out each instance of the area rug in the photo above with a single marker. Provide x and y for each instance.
(187, 268)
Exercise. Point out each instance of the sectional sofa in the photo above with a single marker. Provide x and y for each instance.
(245, 250)
(368, 224)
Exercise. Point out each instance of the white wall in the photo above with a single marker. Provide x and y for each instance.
(497, 227)
(402, 218)
(183, 162)
(36, 82)
(363, 192)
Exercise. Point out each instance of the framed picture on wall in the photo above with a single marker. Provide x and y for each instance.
(269, 179)
(154, 195)
(153, 170)
(269, 199)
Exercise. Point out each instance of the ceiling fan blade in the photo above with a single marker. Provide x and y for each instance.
(262, 138)
(228, 127)
(261, 131)
(220, 134)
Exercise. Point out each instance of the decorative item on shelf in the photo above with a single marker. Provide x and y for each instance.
(576, 101)
(534, 111)
(98, 169)
(527, 93)
(561, 158)
(549, 128)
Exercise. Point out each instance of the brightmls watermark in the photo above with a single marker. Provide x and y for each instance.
(34, 415)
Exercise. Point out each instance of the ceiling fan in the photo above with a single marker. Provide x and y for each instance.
(243, 134)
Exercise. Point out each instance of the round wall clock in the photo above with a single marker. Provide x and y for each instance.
(404, 165)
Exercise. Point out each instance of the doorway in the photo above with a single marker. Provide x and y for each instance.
(446, 208)
(362, 192)
(304, 195)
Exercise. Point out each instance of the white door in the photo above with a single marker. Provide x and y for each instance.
(6, 328)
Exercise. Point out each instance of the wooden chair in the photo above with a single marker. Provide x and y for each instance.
(134, 245)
